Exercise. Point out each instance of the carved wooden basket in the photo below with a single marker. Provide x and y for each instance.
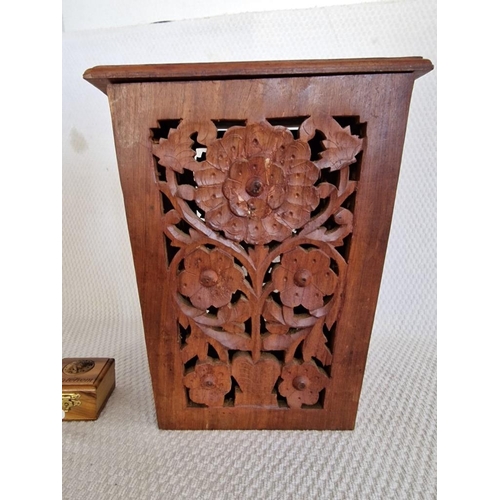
(259, 198)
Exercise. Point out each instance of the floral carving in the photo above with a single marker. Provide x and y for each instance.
(253, 216)
(257, 184)
(210, 278)
(209, 382)
(304, 278)
(302, 383)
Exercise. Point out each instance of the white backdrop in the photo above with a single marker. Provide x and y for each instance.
(97, 266)
(101, 315)
(96, 14)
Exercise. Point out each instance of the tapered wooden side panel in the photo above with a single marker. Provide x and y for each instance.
(259, 213)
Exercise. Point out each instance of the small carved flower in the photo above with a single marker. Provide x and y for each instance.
(210, 278)
(302, 383)
(304, 278)
(209, 382)
(257, 184)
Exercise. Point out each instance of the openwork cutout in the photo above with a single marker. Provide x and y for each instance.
(258, 214)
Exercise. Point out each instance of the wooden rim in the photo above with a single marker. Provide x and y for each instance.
(102, 76)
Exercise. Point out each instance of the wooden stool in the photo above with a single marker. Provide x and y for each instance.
(259, 198)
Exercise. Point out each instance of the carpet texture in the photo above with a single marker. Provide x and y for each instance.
(392, 452)
(390, 455)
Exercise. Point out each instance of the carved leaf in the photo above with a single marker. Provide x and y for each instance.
(172, 217)
(179, 238)
(206, 130)
(325, 189)
(235, 312)
(344, 218)
(256, 379)
(335, 201)
(273, 315)
(297, 320)
(186, 191)
(233, 327)
(233, 341)
(274, 342)
(196, 345)
(276, 328)
(341, 151)
(341, 147)
(220, 349)
(233, 316)
(175, 152)
(315, 345)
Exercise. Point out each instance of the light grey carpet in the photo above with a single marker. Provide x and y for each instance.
(390, 455)
(392, 452)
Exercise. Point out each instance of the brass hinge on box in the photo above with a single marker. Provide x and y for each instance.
(69, 400)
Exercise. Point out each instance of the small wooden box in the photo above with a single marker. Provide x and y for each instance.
(87, 384)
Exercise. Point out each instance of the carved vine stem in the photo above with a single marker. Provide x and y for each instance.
(257, 246)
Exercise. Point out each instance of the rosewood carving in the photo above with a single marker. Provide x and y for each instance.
(259, 210)
(261, 187)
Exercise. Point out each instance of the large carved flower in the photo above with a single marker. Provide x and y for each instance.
(210, 278)
(302, 383)
(257, 184)
(209, 382)
(304, 277)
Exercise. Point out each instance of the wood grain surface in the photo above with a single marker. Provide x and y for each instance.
(259, 198)
(102, 76)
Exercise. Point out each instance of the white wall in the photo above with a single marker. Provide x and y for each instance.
(98, 14)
